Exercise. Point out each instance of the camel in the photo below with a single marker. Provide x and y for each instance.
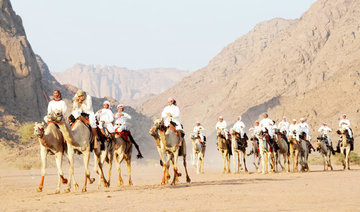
(265, 154)
(255, 151)
(167, 143)
(345, 147)
(122, 151)
(80, 134)
(304, 152)
(283, 151)
(51, 140)
(224, 148)
(198, 153)
(325, 152)
(294, 152)
(104, 155)
(238, 146)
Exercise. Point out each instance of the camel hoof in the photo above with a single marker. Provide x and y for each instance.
(172, 183)
(163, 183)
(130, 183)
(188, 180)
(39, 189)
(84, 189)
(57, 192)
(67, 190)
(92, 180)
(76, 186)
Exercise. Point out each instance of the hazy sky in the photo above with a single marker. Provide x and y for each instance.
(137, 34)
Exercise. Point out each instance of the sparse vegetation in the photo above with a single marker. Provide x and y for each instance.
(354, 158)
(26, 132)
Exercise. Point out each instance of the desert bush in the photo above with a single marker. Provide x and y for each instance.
(25, 132)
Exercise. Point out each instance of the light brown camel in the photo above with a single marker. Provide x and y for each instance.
(345, 148)
(167, 143)
(82, 137)
(198, 153)
(294, 152)
(224, 149)
(51, 140)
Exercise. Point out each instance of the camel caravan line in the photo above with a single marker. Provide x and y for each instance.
(106, 135)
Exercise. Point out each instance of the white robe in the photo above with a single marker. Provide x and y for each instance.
(199, 129)
(222, 126)
(54, 106)
(284, 127)
(325, 131)
(267, 124)
(239, 127)
(175, 116)
(120, 121)
(345, 123)
(293, 129)
(85, 107)
(106, 116)
(303, 127)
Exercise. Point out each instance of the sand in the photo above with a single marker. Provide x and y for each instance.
(213, 191)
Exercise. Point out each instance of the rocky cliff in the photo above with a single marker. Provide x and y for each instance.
(20, 88)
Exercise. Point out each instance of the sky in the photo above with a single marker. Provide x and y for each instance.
(139, 34)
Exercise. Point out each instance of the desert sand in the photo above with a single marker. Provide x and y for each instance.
(213, 191)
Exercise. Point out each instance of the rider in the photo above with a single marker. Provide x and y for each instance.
(256, 129)
(58, 104)
(239, 127)
(267, 124)
(284, 126)
(303, 127)
(345, 124)
(83, 104)
(221, 125)
(106, 118)
(199, 130)
(120, 121)
(293, 128)
(324, 130)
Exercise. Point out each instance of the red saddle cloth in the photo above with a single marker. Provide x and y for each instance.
(124, 134)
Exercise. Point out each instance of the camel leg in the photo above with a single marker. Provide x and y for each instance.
(58, 159)
(96, 168)
(228, 163)
(174, 163)
(110, 155)
(330, 162)
(234, 160)
(101, 172)
(244, 161)
(239, 167)
(119, 159)
(194, 157)
(202, 164)
(224, 162)
(43, 153)
(71, 169)
(128, 165)
(198, 163)
(86, 158)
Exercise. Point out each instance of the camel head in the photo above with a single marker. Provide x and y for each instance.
(158, 124)
(56, 116)
(39, 129)
(342, 131)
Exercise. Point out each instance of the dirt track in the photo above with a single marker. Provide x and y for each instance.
(213, 191)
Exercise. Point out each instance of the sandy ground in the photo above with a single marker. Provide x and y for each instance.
(213, 191)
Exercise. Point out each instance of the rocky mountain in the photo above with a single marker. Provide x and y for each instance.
(130, 86)
(20, 74)
(304, 67)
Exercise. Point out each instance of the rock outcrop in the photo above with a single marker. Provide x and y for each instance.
(20, 87)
